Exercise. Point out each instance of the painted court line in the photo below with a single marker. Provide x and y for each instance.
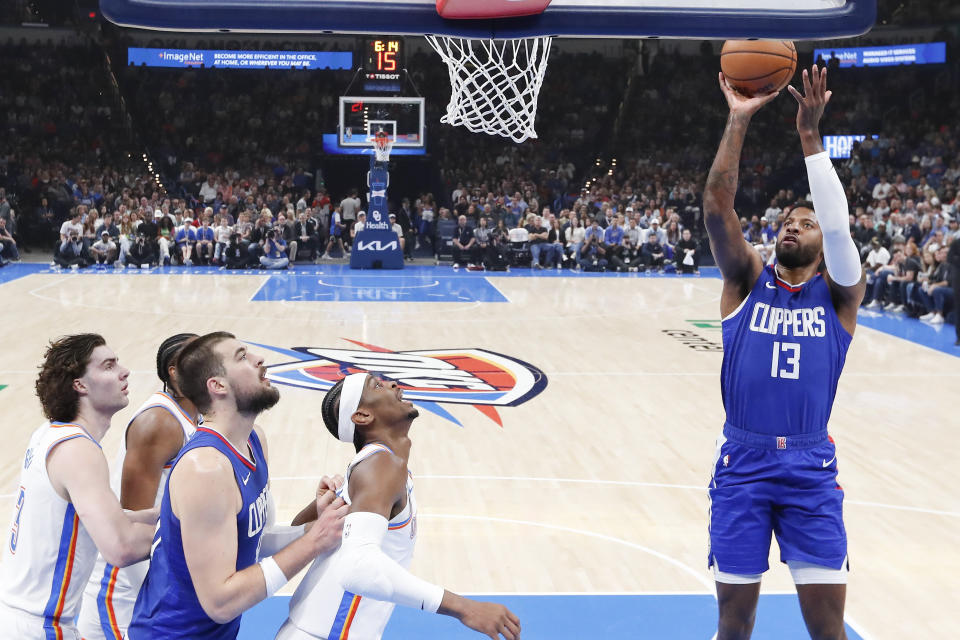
(697, 575)
(637, 483)
(498, 290)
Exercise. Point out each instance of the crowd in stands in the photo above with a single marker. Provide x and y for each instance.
(241, 183)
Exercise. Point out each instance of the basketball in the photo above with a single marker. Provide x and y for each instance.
(753, 67)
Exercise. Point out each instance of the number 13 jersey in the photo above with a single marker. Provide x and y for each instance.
(783, 351)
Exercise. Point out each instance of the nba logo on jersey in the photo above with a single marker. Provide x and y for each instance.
(781, 442)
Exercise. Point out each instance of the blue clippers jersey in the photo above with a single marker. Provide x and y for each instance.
(783, 351)
(167, 606)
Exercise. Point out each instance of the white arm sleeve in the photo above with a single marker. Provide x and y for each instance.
(274, 536)
(365, 570)
(830, 206)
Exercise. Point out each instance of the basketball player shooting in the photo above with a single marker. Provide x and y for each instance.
(352, 593)
(786, 330)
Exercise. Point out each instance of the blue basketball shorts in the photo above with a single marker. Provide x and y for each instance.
(791, 492)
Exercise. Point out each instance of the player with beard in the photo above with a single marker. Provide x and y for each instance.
(203, 571)
(786, 330)
(352, 592)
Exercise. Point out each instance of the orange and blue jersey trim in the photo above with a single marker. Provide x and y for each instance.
(400, 525)
(60, 425)
(62, 573)
(345, 615)
(108, 616)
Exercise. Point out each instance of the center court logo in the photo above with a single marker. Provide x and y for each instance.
(430, 378)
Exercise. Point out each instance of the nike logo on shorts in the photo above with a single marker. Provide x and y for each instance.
(827, 463)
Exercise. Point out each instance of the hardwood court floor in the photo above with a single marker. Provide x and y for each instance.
(596, 484)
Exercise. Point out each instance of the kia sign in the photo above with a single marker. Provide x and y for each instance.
(376, 248)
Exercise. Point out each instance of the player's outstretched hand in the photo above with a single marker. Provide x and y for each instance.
(328, 528)
(740, 104)
(813, 100)
(491, 619)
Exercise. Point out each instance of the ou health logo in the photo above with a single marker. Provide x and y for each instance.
(429, 378)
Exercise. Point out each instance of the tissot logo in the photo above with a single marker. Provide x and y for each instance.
(470, 376)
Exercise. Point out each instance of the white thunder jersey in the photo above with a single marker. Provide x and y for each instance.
(321, 607)
(49, 554)
(112, 591)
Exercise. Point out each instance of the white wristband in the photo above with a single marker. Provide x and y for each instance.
(273, 575)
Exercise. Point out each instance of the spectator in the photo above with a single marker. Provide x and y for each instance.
(9, 245)
(284, 228)
(234, 254)
(104, 250)
(575, 235)
(657, 231)
(348, 209)
(653, 252)
(936, 293)
(185, 239)
(463, 244)
(336, 232)
(537, 237)
(305, 231)
(222, 232)
(274, 252)
(141, 253)
(397, 229)
(555, 243)
(206, 241)
(878, 283)
(878, 258)
(166, 231)
(687, 255)
(594, 253)
(71, 253)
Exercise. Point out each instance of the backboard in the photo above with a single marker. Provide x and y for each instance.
(794, 20)
(362, 116)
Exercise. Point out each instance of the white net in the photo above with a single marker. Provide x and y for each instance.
(494, 84)
(382, 145)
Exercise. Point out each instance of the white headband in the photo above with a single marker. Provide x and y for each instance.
(349, 401)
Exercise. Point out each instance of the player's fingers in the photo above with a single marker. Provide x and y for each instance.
(326, 483)
(807, 89)
(769, 97)
(514, 627)
(325, 499)
(796, 94)
(827, 97)
(512, 617)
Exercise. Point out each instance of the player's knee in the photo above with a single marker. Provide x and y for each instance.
(735, 624)
(826, 630)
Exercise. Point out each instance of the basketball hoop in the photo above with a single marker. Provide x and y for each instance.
(494, 84)
(382, 145)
